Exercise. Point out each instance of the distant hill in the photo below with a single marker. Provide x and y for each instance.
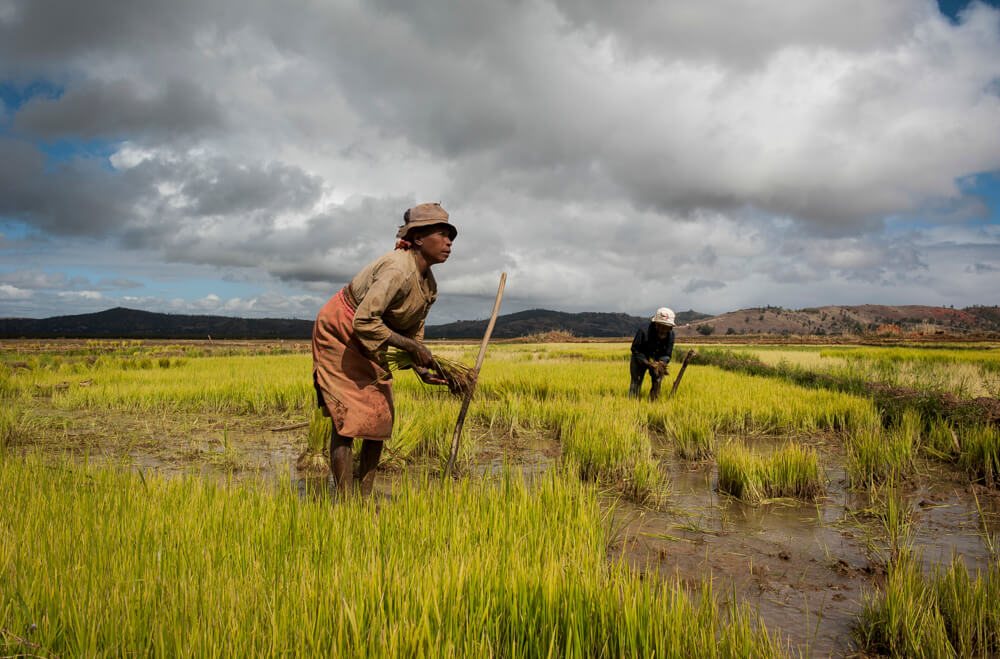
(132, 324)
(539, 321)
(858, 319)
(861, 319)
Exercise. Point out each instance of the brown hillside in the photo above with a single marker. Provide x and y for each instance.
(861, 319)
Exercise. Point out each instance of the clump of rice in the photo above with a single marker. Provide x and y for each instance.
(458, 376)
(659, 369)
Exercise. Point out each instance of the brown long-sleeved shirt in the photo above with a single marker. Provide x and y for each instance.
(393, 295)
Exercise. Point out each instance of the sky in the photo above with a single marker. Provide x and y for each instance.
(247, 157)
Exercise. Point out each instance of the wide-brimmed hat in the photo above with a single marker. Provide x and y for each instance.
(425, 215)
(664, 316)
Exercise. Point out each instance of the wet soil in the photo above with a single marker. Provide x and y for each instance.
(804, 566)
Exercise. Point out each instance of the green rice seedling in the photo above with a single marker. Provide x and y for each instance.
(15, 425)
(903, 620)
(741, 473)
(946, 613)
(970, 607)
(614, 448)
(791, 471)
(575, 393)
(459, 376)
(314, 458)
(981, 454)
(895, 519)
(875, 455)
(942, 440)
(9, 386)
(155, 567)
(647, 484)
(692, 441)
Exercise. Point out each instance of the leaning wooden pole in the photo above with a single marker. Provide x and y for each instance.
(680, 374)
(475, 377)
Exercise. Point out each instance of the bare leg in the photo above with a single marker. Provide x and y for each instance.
(341, 461)
(371, 451)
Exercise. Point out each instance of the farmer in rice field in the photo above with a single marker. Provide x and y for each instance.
(384, 305)
(652, 348)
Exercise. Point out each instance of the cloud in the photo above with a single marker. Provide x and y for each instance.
(35, 279)
(119, 282)
(696, 285)
(606, 157)
(120, 109)
(8, 292)
(81, 295)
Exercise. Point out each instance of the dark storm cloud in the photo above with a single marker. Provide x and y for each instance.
(45, 34)
(77, 198)
(223, 187)
(119, 109)
(529, 93)
(82, 197)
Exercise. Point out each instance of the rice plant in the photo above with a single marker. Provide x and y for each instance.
(314, 458)
(791, 471)
(158, 567)
(875, 454)
(950, 613)
(981, 453)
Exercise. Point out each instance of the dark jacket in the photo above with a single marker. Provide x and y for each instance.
(647, 345)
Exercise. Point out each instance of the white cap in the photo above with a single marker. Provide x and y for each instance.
(664, 316)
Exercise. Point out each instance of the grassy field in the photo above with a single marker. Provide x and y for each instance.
(523, 555)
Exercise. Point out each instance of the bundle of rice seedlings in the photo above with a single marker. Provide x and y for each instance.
(659, 369)
(313, 459)
(458, 376)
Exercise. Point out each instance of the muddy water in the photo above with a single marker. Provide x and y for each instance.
(805, 567)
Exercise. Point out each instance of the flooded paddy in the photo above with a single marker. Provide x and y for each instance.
(806, 568)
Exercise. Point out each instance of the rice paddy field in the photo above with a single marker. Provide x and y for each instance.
(153, 504)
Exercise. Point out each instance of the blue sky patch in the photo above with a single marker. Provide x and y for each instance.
(952, 8)
(14, 96)
(64, 150)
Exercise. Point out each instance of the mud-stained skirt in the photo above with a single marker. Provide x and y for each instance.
(355, 389)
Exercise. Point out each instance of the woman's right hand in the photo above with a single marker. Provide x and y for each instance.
(418, 351)
(421, 355)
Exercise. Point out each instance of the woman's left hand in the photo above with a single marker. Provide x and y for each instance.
(427, 376)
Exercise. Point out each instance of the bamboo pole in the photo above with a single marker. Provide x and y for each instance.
(475, 377)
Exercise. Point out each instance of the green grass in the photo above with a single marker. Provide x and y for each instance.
(96, 562)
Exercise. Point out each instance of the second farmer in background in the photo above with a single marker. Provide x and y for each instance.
(652, 348)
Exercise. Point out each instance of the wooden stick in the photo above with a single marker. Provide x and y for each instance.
(294, 426)
(475, 377)
(680, 374)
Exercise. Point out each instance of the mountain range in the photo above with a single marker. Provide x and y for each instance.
(130, 323)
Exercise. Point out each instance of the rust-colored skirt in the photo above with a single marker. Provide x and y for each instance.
(356, 390)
